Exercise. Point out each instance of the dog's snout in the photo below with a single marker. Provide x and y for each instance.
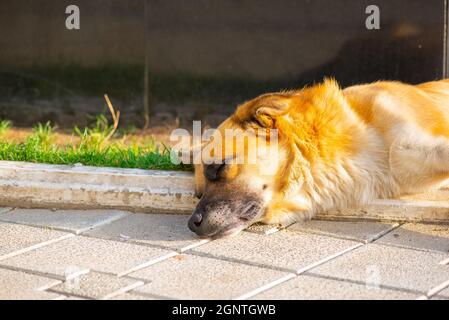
(195, 222)
(197, 218)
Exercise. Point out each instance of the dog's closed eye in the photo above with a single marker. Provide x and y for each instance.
(198, 195)
(212, 171)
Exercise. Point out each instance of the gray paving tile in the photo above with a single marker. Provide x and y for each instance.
(96, 285)
(71, 298)
(15, 285)
(439, 298)
(68, 220)
(387, 266)
(4, 209)
(306, 287)
(193, 277)
(420, 236)
(162, 230)
(441, 291)
(442, 295)
(364, 231)
(131, 296)
(285, 250)
(16, 238)
(77, 254)
(265, 229)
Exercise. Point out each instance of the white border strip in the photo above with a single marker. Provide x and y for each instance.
(296, 274)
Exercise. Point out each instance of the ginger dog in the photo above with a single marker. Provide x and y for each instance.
(336, 148)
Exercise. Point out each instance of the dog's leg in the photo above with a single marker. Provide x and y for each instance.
(419, 160)
(286, 212)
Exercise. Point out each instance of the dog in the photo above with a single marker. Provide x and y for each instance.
(336, 148)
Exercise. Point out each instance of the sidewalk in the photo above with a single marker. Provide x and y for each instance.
(69, 254)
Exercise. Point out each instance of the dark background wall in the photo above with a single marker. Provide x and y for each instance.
(202, 57)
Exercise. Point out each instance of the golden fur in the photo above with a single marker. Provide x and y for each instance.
(339, 148)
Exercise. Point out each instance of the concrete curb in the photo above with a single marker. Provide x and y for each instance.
(30, 185)
(394, 210)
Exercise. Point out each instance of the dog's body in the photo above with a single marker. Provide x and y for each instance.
(337, 148)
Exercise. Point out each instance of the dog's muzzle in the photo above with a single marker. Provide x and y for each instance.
(223, 218)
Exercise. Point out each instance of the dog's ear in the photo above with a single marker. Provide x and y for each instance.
(264, 110)
(269, 108)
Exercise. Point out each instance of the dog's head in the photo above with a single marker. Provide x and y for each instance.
(251, 177)
(238, 173)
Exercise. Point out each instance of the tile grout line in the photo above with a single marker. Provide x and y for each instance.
(325, 234)
(9, 209)
(331, 257)
(297, 273)
(123, 290)
(60, 229)
(194, 245)
(342, 237)
(402, 246)
(267, 286)
(28, 224)
(148, 263)
(36, 246)
(48, 286)
(36, 273)
(102, 224)
(65, 296)
(148, 245)
(385, 232)
(433, 291)
(75, 232)
(132, 286)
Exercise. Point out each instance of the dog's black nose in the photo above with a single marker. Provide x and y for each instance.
(195, 222)
(197, 218)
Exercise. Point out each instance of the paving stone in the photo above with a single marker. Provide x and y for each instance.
(364, 231)
(131, 296)
(439, 298)
(16, 238)
(261, 228)
(192, 277)
(306, 287)
(442, 295)
(162, 230)
(391, 267)
(16, 285)
(71, 298)
(69, 220)
(60, 297)
(420, 236)
(440, 292)
(285, 250)
(77, 254)
(96, 285)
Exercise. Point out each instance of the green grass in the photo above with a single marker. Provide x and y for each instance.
(5, 125)
(94, 149)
